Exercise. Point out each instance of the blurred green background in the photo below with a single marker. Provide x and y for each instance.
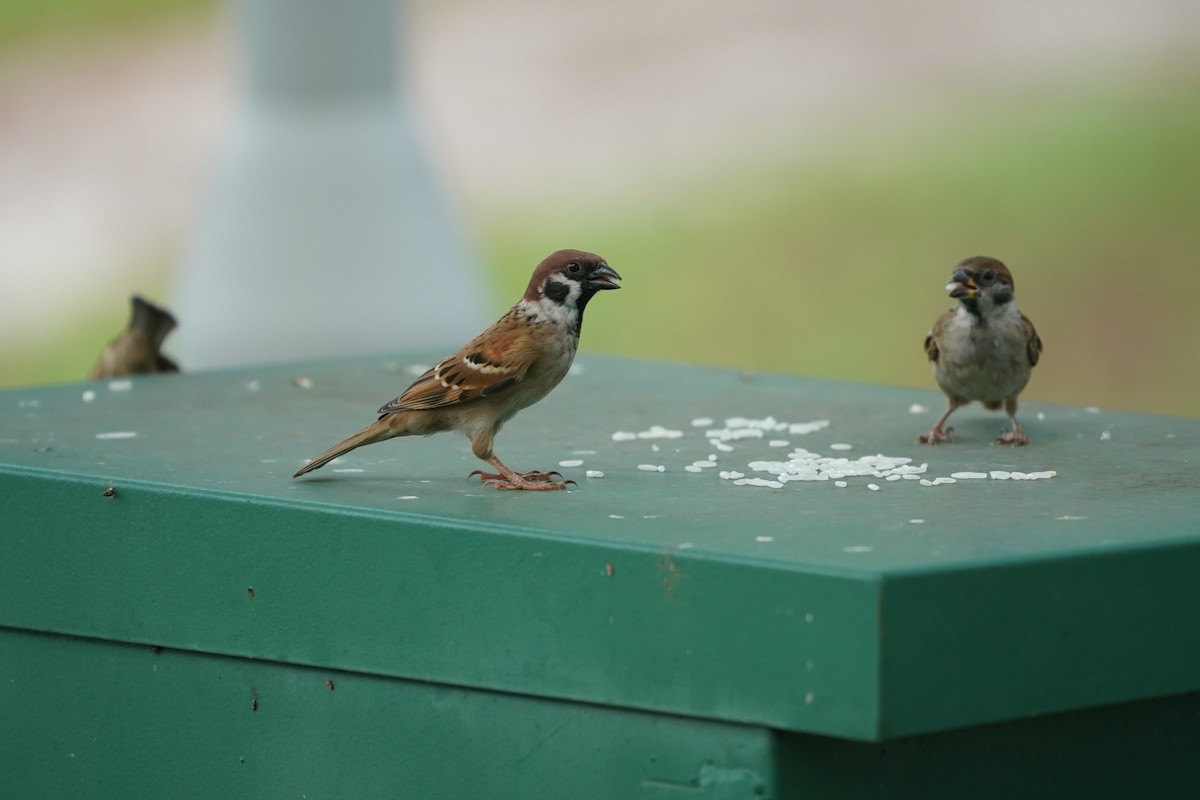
(816, 241)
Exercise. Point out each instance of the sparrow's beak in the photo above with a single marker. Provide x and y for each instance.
(603, 277)
(961, 286)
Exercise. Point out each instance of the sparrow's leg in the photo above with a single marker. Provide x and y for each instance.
(1016, 436)
(508, 479)
(936, 433)
(505, 478)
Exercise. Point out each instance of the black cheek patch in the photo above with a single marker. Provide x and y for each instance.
(1004, 295)
(556, 291)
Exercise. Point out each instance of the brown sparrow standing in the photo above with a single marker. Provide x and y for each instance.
(984, 348)
(136, 349)
(508, 367)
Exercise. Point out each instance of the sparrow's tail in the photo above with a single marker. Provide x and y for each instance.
(151, 320)
(376, 432)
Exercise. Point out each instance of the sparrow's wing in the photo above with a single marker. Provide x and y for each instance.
(493, 362)
(931, 346)
(1033, 342)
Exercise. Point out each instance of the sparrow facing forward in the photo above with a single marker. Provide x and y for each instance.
(508, 367)
(984, 348)
(136, 349)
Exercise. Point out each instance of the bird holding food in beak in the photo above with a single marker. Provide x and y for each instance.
(982, 349)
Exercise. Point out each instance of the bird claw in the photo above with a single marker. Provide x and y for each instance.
(527, 485)
(1014, 438)
(541, 476)
(936, 436)
(530, 481)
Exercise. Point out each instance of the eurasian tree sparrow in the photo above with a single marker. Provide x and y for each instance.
(136, 349)
(984, 348)
(510, 366)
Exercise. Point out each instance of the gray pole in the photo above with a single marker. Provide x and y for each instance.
(324, 231)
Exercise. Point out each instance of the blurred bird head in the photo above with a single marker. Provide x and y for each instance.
(982, 284)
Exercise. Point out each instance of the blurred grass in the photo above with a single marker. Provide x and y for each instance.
(836, 267)
(833, 262)
(24, 20)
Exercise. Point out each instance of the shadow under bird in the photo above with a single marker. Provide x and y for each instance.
(510, 366)
(982, 349)
(136, 350)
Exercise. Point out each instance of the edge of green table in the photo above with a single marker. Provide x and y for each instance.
(999, 611)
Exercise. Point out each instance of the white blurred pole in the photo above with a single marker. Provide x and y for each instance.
(324, 232)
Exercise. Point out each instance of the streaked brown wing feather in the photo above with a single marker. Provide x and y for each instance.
(491, 363)
(1033, 342)
(931, 347)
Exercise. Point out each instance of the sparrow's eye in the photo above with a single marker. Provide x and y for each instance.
(989, 274)
(574, 268)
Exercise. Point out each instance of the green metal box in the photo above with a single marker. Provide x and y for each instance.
(177, 615)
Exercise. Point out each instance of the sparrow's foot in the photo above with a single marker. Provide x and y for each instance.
(528, 485)
(937, 435)
(1015, 437)
(534, 475)
(527, 481)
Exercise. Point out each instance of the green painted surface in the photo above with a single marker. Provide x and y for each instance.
(85, 718)
(851, 621)
(1146, 749)
(138, 723)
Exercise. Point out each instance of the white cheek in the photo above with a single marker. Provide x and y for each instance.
(546, 310)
